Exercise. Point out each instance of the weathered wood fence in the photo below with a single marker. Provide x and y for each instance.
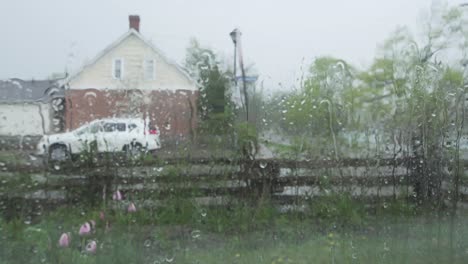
(216, 182)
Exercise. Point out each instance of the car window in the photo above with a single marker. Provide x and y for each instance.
(109, 127)
(113, 127)
(82, 130)
(94, 128)
(132, 127)
(120, 127)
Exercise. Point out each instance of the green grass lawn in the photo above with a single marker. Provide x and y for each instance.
(150, 237)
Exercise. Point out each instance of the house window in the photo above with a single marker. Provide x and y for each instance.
(149, 69)
(117, 69)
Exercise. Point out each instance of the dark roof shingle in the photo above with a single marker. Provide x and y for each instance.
(17, 90)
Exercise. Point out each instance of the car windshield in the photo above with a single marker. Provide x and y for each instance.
(234, 131)
(82, 130)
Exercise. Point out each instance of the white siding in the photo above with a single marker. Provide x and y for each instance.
(133, 51)
(24, 119)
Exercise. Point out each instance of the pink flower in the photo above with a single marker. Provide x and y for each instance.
(85, 229)
(102, 216)
(131, 208)
(117, 196)
(91, 247)
(64, 240)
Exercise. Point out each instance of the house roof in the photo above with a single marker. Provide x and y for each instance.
(129, 33)
(18, 90)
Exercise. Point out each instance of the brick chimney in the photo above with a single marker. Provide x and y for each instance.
(134, 22)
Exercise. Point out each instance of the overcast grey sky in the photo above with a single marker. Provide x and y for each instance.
(47, 36)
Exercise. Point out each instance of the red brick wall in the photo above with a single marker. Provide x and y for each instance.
(174, 112)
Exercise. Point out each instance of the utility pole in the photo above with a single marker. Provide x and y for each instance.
(236, 39)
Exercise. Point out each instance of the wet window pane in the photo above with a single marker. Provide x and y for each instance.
(155, 132)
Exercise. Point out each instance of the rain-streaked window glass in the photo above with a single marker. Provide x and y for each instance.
(237, 132)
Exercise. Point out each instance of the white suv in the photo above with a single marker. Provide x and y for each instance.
(104, 135)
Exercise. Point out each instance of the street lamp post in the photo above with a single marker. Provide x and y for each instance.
(236, 39)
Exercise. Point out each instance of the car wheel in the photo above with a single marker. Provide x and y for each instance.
(134, 150)
(58, 153)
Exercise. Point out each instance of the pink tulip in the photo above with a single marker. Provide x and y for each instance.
(117, 196)
(64, 240)
(102, 216)
(131, 208)
(91, 247)
(85, 229)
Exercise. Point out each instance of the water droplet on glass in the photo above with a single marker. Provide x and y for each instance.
(56, 167)
(263, 164)
(386, 248)
(203, 213)
(196, 234)
(147, 243)
(169, 259)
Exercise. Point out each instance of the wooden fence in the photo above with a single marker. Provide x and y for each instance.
(215, 182)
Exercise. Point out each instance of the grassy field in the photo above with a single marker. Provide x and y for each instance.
(241, 236)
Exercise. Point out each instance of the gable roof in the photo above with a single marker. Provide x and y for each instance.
(20, 91)
(129, 33)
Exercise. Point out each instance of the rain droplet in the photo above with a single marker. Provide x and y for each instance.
(147, 243)
(56, 167)
(169, 259)
(196, 234)
(203, 213)
(263, 164)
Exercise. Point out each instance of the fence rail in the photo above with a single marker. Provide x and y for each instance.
(214, 181)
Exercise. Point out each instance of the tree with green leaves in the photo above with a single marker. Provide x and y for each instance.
(213, 83)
